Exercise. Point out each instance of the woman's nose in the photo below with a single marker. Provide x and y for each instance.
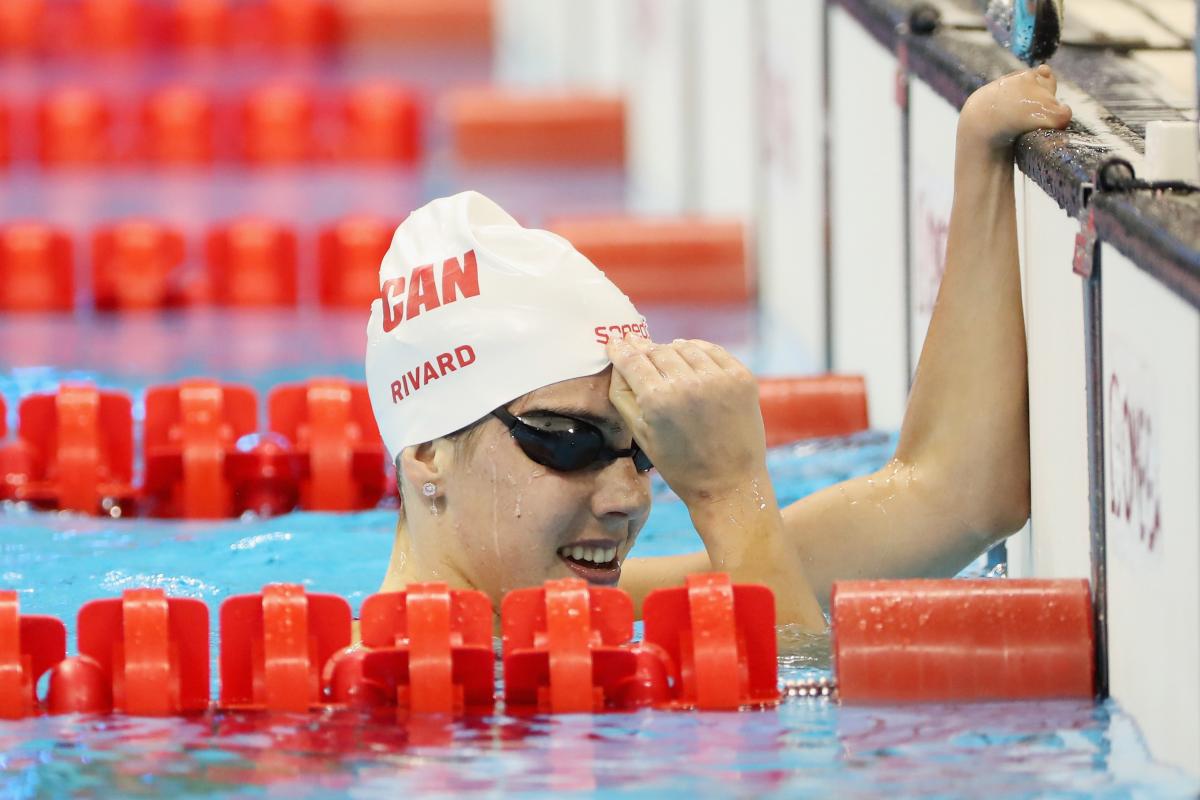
(621, 491)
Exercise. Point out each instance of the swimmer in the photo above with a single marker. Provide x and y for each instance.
(523, 431)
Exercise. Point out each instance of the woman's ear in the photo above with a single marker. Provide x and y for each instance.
(426, 463)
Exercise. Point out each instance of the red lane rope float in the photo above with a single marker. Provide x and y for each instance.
(30, 645)
(21, 25)
(380, 123)
(445, 23)
(806, 407)
(142, 654)
(199, 25)
(190, 433)
(36, 268)
(302, 24)
(135, 266)
(252, 264)
(503, 128)
(114, 26)
(566, 650)
(277, 125)
(274, 647)
(79, 444)
(428, 649)
(341, 457)
(349, 252)
(956, 640)
(719, 639)
(178, 127)
(74, 128)
(327, 454)
(666, 260)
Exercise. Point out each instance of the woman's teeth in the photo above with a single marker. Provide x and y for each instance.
(596, 555)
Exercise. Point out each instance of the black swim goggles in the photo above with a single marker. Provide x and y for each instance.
(567, 444)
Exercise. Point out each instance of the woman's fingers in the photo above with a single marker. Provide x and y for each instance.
(719, 355)
(696, 356)
(630, 358)
(670, 362)
(624, 400)
(1045, 76)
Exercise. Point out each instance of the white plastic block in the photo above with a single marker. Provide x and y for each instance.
(1172, 152)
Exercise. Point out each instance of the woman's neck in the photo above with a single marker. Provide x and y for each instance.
(409, 564)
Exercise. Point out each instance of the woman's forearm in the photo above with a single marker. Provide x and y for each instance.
(743, 533)
(967, 423)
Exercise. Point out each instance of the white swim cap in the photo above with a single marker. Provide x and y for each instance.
(475, 311)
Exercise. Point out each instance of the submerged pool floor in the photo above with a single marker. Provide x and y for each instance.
(803, 748)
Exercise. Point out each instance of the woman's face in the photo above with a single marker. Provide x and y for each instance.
(508, 522)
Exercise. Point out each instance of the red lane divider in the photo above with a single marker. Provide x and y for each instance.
(503, 128)
(720, 641)
(427, 649)
(74, 448)
(955, 640)
(135, 266)
(710, 645)
(143, 654)
(349, 253)
(252, 264)
(666, 260)
(806, 407)
(30, 645)
(36, 268)
(74, 452)
(191, 432)
(337, 442)
(105, 27)
(270, 125)
(274, 647)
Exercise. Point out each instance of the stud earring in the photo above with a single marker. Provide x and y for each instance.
(430, 489)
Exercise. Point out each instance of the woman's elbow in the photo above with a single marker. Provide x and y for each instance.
(1001, 511)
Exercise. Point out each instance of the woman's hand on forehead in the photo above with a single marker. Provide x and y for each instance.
(693, 408)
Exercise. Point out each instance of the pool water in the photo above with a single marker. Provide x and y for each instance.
(806, 747)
